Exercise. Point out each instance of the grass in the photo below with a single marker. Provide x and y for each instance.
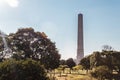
(75, 75)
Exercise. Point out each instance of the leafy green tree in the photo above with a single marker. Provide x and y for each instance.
(101, 58)
(22, 70)
(26, 43)
(106, 58)
(62, 62)
(85, 62)
(97, 59)
(77, 68)
(115, 61)
(62, 67)
(70, 63)
(101, 73)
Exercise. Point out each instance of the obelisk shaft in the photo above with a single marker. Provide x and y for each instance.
(80, 43)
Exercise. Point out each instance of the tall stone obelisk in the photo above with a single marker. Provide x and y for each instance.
(80, 43)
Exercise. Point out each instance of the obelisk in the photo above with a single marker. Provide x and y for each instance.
(80, 43)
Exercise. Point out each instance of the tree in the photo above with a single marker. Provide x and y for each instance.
(96, 59)
(115, 61)
(62, 62)
(70, 63)
(85, 62)
(77, 68)
(101, 73)
(62, 67)
(22, 70)
(107, 48)
(106, 58)
(26, 43)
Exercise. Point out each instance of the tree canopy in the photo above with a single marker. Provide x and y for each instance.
(26, 43)
(22, 70)
(101, 72)
(108, 59)
(70, 62)
(85, 62)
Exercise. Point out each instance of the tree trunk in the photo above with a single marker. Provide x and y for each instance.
(54, 72)
(70, 71)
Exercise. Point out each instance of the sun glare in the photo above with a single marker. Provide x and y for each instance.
(11, 3)
(1, 2)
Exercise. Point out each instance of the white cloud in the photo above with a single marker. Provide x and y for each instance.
(11, 3)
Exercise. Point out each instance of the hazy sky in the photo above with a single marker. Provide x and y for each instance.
(58, 19)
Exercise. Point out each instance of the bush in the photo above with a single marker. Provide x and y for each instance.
(22, 70)
(101, 72)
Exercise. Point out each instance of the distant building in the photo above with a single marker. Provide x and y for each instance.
(80, 43)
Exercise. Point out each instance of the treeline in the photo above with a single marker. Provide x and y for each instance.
(103, 65)
(31, 55)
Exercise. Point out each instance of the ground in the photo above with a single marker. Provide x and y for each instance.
(73, 76)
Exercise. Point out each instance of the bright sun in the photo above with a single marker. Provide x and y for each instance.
(12, 3)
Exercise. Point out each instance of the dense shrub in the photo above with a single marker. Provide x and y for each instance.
(22, 70)
(101, 73)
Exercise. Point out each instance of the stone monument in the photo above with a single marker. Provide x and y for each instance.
(80, 43)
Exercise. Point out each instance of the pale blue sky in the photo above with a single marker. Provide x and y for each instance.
(58, 19)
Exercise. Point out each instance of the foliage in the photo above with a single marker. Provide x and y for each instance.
(85, 62)
(108, 58)
(26, 43)
(62, 67)
(70, 63)
(78, 67)
(115, 61)
(62, 62)
(101, 72)
(107, 48)
(95, 59)
(22, 70)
